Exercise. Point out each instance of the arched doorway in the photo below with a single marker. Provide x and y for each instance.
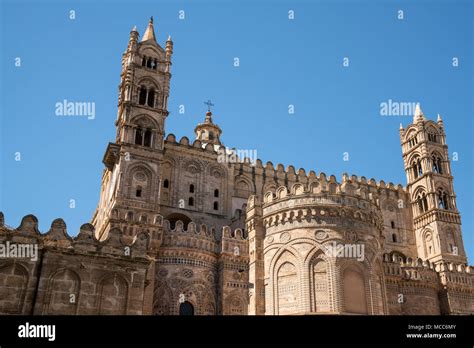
(186, 308)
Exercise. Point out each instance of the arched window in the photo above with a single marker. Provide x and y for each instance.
(143, 137)
(442, 199)
(436, 164)
(147, 138)
(151, 98)
(139, 136)
(191, 188)
(413, 141)
(186, 308)
(130, 216)
(216, 193)
(433, 137)
(138, 192)
(166, 183)
(148, 63)
(211, 135)
(216, 206)
(392, 223)
(394, 237)
(191, 201)
(417, 168)
(154, 65)
(144, 61)
(422, 203)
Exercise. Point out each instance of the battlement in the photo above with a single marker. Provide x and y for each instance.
(418, 269)
(202, 237)
(350, 186)
(290, 172)
(84, 242)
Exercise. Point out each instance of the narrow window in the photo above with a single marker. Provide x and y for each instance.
(138, 192)
(216, 193)
(147, 138)
(394, 238)
(166, 183)
(139, 136)
(144, 61)
(191, 188)
(151, 98)
(425, 203)
(415, 170)
(148, 63)
(191, 201)
(130, 216)
(154, 64)
(442, 200)
(392, 223)
(420, 205)
(216, 206)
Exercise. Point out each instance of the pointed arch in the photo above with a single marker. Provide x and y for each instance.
(14, 279)
(285, 281)
(429, 244)
(63, 293)
(113, 295)
(319, 270)
(354, 289)
(140, 178)
(162, 299)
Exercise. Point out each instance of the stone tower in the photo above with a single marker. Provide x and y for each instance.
(131, 180)
(436, 220)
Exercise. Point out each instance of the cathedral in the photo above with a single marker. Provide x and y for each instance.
(184, 227)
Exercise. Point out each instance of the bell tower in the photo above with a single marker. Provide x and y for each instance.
(131, 180)
(437, 222)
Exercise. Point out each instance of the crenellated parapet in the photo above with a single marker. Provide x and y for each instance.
(204, 238)
(322, 202)
(350, 186)
(459, 277)
(85, 242)
(416, 286)
(194, 237)
(56, 273)
(233, 242)
(409, 269)
(289, 172)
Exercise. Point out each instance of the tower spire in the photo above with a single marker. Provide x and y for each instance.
(149, 32)
(419, 116)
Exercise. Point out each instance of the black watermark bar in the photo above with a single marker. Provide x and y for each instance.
(237, 330)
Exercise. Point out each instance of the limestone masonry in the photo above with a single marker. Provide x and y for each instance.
(182, 227)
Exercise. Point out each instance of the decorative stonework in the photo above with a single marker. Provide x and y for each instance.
(176, 230)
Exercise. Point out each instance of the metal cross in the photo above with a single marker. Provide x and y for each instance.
(209, 104)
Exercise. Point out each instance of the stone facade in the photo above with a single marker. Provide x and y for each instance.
(186, 227)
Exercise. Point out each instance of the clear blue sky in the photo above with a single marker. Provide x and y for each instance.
(282, 62)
